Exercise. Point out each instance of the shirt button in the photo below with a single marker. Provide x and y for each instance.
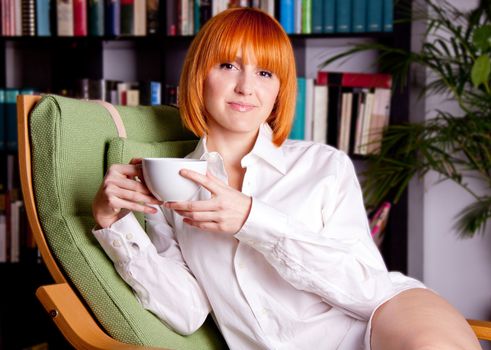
(116, 243)
(129, 236)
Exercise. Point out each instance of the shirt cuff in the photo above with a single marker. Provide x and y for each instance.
(264, 225)
(123, 239)
(410, 283)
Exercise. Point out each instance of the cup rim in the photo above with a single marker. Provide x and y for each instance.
(172, 159)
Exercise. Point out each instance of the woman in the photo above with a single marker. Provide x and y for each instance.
(277, 244)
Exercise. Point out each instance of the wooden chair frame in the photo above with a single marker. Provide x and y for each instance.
(70, 315)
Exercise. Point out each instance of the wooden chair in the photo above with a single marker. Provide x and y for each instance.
(62, 300)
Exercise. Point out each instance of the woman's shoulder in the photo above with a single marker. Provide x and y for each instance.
(314, 150)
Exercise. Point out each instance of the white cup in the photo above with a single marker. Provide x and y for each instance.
(163, 180)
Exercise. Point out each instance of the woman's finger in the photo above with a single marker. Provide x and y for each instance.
(129, 184)
(205, 205)
(199, 215)
(117, 203)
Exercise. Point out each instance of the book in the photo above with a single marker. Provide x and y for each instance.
(379, 119)
(3, 123)
(350, 79)
(309, 109)
(26, 18)
(388, 15)
(96, 17)
(329, 16)
(317, 13)
(298, 127)
(64, 16)
(113, 17)
(343, 16)
(140, 18)
(319, 127)
(378, 223)
(171, 18)
(43, 26)
(359, 16)
(297, 17)
(127, 10)
(11, 118)
(306, 16)
(287, 16)
(374, 15)
(80, 17)
(153, 23)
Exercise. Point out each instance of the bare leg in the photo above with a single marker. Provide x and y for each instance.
(420, 319)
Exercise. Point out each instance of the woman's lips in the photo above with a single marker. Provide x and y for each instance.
(240, 107)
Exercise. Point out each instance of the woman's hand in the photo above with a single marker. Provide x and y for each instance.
(122, 189)
(225, 212)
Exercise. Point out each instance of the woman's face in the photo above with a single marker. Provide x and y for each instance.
(239, 97)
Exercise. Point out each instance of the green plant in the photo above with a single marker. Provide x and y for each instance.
(456, 52)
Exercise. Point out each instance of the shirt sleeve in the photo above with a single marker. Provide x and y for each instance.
(155, 269)
(341, 263)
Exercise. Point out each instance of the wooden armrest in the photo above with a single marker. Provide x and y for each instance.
(75, 322)
(481, 328)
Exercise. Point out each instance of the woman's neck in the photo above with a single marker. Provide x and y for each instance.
(231, 147)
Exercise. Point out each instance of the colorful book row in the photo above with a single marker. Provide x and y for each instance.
(186, 17)
(336, 16)
(79, 17)
(346, 110)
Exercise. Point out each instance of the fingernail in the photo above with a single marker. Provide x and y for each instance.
(183, 172)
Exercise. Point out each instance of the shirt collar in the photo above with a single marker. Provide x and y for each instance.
(264, 148)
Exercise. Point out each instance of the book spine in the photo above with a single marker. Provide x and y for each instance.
(21, 9)
(309, 108)
(96, 17)
(374, 15)
(388, 15)
(64, 11)
(127, 16)
(43, 9)
(359, 16)
(113, 17)
(196, 17)
(287, 15)
(204, 11)
(329, 16)
(80, 17)
(140, 18)
(319, 128)
(153, 16)
(298, 129)
(171, 18)
(29, 18)
(343, 16)
(297, 16)
(317, 12)
(306, 16)
(368, 80)
(155, 93)
(3, 122)
(11, 117)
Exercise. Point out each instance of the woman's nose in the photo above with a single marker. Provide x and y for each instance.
(245, 84)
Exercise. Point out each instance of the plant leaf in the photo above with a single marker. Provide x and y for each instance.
(482, 37)
(480, 70)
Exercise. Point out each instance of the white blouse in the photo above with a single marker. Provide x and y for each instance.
(302, 273)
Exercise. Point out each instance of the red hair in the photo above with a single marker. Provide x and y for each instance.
(219, 41)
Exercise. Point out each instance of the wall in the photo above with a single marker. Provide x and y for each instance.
(458, 269)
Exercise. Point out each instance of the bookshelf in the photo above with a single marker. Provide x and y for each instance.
(50, 64)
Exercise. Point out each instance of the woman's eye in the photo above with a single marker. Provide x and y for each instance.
(226, 66)
(266, 74)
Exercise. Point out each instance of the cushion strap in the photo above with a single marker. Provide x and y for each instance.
(115, 115)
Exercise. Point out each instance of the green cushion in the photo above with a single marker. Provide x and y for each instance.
(69, 143)
(122, 150)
